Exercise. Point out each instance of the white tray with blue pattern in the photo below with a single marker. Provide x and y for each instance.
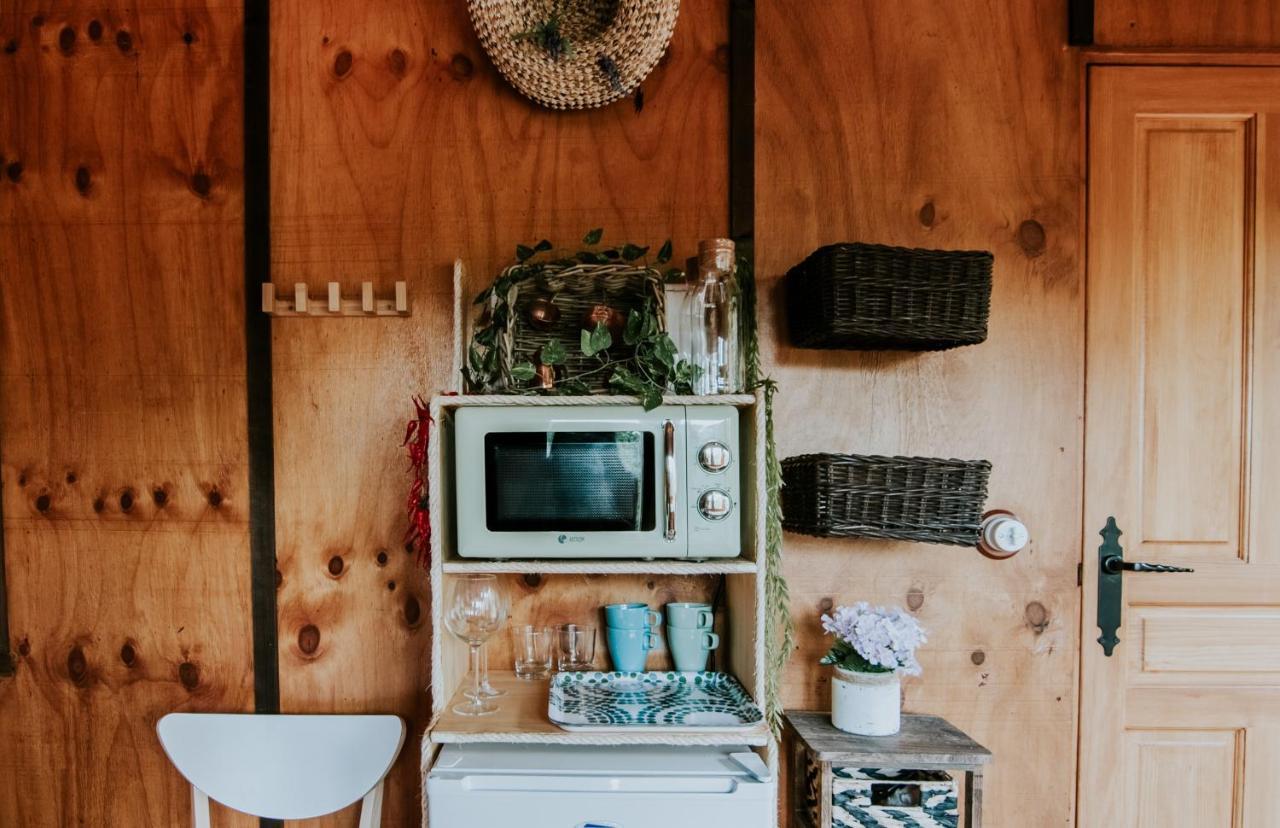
(651, 702)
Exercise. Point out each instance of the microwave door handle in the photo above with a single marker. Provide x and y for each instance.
(669, 463)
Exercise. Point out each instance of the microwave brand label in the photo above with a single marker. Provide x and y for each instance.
(571, 539)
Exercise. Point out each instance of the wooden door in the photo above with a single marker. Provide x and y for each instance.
(1180, 726)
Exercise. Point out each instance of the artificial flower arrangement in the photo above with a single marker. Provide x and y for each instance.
(873, 647)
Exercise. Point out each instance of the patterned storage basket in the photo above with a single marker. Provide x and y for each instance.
(875, 297)
(902, 498)
(884, 798)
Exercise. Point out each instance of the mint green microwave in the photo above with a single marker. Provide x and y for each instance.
(597, 481)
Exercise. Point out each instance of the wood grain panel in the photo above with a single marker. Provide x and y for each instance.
(1209, 640)
(396, 147)
(931, 125)
(1186, 777)
(122, 401)
(1196, 280)
(1221, 23)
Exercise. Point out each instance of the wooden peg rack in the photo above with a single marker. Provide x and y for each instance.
(335, 304)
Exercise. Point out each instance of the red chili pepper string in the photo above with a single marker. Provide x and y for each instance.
(418, 536)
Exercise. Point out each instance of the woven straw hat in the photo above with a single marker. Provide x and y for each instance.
(613, 45)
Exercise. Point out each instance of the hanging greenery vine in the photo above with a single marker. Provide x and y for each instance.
(779, 630)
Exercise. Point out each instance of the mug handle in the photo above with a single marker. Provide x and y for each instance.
(711, 640)
(650, 641)
(654, 618)
(706, 618)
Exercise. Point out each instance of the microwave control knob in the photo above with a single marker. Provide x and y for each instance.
(715, 504)
(714, 457)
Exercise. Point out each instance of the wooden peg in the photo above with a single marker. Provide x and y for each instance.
(268, 297)
(366, 297)
(335, 298)
(300, 298)
(402, 297)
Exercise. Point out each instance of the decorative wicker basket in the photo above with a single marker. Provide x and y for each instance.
(575, 289)
(903, 498)
(614, 46)
(875, 297)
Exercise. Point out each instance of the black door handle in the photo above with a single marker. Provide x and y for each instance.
(1111, 569)
(1115, 564)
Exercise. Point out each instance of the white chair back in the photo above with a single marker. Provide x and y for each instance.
(283, 767)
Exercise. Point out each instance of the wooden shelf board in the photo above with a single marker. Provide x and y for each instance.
(522, 717)
(601, 567)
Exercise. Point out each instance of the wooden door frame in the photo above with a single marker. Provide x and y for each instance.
(1089, 58)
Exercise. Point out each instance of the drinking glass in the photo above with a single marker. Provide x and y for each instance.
(575, 647)
(487, 689)
(475, 609)
(533, 651)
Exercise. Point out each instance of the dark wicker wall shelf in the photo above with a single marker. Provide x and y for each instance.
(921, 499)
(875, 297)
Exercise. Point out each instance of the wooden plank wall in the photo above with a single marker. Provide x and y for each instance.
(930, 125)
(122, 401)
(396, 147)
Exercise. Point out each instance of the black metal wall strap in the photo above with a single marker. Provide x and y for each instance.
(6, 655)
(742, 120)
(257, 340)
(1080, 22)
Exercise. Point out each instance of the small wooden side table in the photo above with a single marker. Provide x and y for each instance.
(815, 746)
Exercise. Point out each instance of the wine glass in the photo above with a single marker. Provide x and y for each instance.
(487, 689)
(475, 609)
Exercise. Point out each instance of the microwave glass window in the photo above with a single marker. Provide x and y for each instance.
(569, 481)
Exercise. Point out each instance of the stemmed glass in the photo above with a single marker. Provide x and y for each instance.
(487, 689)
(475, 609)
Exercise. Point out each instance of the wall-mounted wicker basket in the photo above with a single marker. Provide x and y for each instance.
(875, 297)
(902, 498)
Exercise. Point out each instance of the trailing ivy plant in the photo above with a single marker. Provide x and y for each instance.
(779, 629)
(652, 367)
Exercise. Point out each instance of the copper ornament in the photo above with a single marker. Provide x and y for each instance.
(543, 314)
(609, 315)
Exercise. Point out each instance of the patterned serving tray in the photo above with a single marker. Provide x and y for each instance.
(650, 702)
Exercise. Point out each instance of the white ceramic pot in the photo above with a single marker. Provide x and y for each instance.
(869, 704)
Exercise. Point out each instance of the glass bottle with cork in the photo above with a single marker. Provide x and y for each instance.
(713, 307)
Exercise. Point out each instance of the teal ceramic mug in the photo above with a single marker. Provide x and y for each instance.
(690, 647)
(690, 616)
(629, 649)
(633, 616)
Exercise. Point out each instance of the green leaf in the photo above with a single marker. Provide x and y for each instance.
(542, 246)
(553, 353)
(523, 371)
(635, 327)
(574, 387)
(673, 274)
(590, 257)
(651, 398)
(595, 341)
(623, 380)
(484, 294)
(664, 252)
(611, 253)
(665, 350)
(593, 236)
(631, 252)
(523, 252)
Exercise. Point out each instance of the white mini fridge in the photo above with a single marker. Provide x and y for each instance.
(563, 786)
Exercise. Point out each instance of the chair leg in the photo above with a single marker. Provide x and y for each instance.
(200, 807)
(371, 807)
